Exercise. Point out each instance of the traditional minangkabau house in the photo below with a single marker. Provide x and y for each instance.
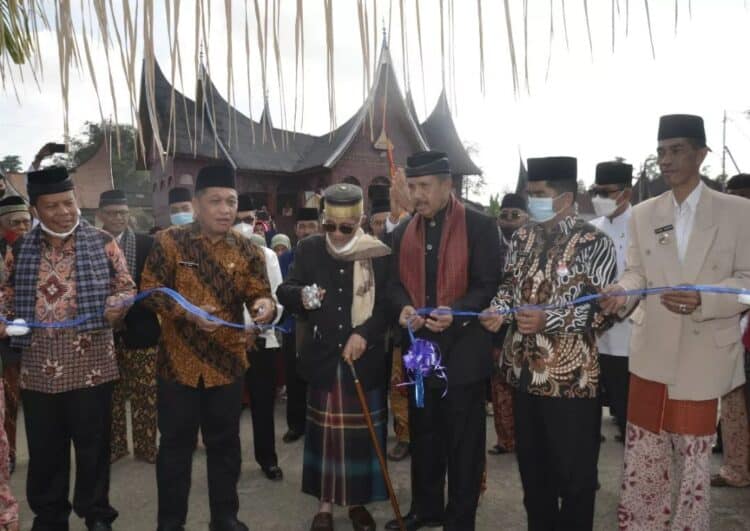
(282, 169)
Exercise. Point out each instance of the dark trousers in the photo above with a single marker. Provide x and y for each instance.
(261, 385)
(615, 379)
(181, 411)
(296, 387)
(53, 421)
(557, 447)
(448, 434)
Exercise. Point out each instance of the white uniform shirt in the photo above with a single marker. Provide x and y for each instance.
(273, 270)
(684, 219)
(616, 340)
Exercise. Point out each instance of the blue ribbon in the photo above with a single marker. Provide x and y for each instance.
(423, 358)
(177, 297)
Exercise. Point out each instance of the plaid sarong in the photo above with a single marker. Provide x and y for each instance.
(340, 464)
(92, 276)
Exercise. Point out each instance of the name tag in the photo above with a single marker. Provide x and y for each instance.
(188, 264)
(665, 228)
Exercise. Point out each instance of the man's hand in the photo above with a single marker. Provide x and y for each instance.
(263, 311)
(531, 321)
(399, 192)
(439, 321)
(203, 324)
(613, 299)
(3, 332)
(116, 310)
(491, 321)
(409, 317)
(354, 348)
(44, 152)
(681, 302)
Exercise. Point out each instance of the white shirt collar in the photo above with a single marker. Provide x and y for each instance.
(692, 200)
(624, 217)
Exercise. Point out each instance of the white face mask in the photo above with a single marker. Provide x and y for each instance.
(604, 206)
(245, 229)
(61, 235)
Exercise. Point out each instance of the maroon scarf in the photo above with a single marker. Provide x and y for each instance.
(453, 260)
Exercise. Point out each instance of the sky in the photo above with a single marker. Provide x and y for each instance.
(592, 105)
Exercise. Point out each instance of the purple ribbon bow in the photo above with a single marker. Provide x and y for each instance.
(420, 361)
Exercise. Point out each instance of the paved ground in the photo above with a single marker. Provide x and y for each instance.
(281, 506)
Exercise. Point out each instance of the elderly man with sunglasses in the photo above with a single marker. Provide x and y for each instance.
(337, 282)
(610, 195)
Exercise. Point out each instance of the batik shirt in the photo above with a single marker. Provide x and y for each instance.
(63, 359)
(225, 274)
(570, 260)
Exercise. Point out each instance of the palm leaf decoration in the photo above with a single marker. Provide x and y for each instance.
(15, 33)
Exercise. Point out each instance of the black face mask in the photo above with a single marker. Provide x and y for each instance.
(507, 232)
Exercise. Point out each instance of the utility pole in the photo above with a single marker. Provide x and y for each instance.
(724, 144)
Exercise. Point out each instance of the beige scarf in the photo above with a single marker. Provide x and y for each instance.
(361, 250)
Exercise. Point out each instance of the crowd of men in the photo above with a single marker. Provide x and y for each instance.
(538, 313)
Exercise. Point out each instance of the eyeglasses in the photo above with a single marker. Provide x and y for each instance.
(250, 220)
(116, 213)
(343, 228)
(599, 192)
(511, 215)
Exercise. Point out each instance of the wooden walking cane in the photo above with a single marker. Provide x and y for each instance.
(378, 450)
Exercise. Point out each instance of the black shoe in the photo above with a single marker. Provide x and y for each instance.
(292, 436)
(273, 472)
(602, 438)
(620, 438)
(228, 525)
(412, 522)
(99, 526)
(497, 450)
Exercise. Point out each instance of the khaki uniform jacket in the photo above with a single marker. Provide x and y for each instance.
(698, 356)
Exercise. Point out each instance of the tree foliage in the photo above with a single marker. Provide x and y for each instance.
(85, 145)
(494, 208)
(11, 163)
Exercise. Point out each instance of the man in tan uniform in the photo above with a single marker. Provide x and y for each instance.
(685, 349)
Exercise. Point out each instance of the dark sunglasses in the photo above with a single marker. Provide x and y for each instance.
(344, 228)
(598, 192)
(511, 215)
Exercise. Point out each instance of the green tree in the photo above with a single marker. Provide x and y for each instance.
(494, 208)
(124, 174)
(11, 163)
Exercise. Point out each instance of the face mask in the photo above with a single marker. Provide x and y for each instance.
(603, 206)
(542, 209)
(181, 218)
(244, 228)
(61, 235)
(508, 232)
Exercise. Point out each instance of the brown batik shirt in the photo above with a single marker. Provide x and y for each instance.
(64, 359)
(554, 267)
(226, 275)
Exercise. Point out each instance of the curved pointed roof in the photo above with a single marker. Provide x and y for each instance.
(441, 134)
(225, 133)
